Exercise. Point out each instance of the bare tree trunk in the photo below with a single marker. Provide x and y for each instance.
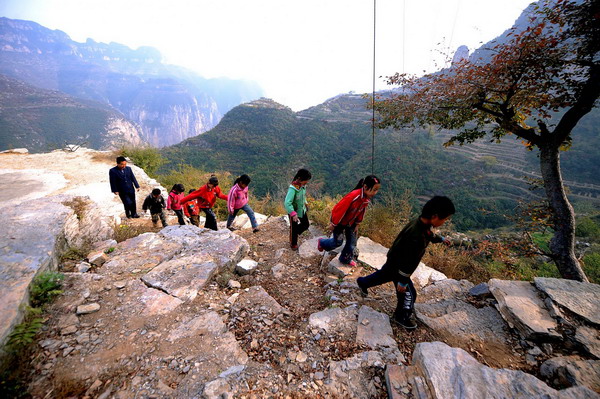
(562, 244)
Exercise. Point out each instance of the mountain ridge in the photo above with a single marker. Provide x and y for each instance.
(169, 103)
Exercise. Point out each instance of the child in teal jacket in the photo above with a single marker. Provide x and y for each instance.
(295, 205)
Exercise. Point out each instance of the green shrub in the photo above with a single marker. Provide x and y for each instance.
(45, 287)
(147, 158)
(587, 227)
(24, 333)
(591, 267)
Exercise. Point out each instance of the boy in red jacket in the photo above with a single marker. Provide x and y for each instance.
(207, 196)
(346, 215)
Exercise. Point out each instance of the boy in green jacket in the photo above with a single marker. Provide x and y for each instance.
(295, 205)
(405, 255)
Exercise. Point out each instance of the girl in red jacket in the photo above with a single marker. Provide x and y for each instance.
(174, 201)
(207, 196)
(346, 215)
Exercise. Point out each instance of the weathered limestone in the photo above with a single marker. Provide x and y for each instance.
(589, 338)
(374, 331)
(242, 221)
(580, 298)
(371, 253)
(521, 306)
(308, 248)
(182, 277)
(453, 373)
(573, 371)
(26, 249)
(246, 266)
(338, 268)
(425, 275)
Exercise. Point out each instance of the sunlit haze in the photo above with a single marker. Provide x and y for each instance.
(299, 52)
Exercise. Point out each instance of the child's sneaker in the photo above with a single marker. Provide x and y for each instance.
(294, 247)
(256, 230)
(319, 247)
(352, 263)
(408, 323)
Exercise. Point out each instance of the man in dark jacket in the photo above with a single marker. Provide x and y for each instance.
(405, 255)
(122, 183)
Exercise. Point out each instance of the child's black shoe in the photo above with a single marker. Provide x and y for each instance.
(408, 323)
(364, 292)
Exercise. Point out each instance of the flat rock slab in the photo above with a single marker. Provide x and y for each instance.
(338, 268)
(374, 329)
(308, 248)
(182, 277)
(589, 338)
(453, 373)
(444, 290)
(463, 324)
(522, 308)
(371, 253)
(580, 298)
(335, 320)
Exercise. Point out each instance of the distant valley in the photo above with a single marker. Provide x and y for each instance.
(168, 103)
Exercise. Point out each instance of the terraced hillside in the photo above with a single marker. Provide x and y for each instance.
(508, 163)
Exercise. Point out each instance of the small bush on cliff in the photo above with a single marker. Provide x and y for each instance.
(46, 286)
(147, 158)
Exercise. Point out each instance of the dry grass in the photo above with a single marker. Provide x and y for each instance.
(106, 156)
(456, 263)
(125, 231)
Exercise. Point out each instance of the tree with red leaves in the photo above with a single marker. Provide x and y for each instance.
(536, 85)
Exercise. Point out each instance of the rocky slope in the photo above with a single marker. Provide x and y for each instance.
(186, 312)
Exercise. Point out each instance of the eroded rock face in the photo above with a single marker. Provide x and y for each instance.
(27, 249)
(521, 306)
(453, 373)
(580, 298)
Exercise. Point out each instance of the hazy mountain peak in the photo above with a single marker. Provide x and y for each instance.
(265, 103)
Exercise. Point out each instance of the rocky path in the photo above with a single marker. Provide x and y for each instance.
(140, 325)
(174, 314)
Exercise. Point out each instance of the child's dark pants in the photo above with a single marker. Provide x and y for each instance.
(298, 228)
(211, 219)
(179, 213)
(161, 215)
(406, 300)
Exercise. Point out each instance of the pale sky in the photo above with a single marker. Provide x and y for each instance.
(300, 52)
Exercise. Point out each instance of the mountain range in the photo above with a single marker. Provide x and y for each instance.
(168, 103)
